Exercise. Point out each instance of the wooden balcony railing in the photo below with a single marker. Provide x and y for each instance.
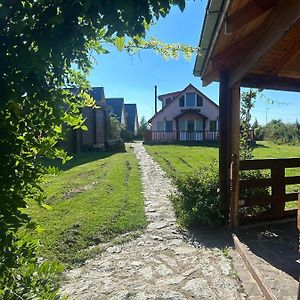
(278, 181)
(182, 135)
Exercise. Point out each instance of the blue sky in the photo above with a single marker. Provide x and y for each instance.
(134, 77)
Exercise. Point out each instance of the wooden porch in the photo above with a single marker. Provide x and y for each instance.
(249, 44)
(182, 136)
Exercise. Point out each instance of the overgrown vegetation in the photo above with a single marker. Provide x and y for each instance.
(197, 198)
(46, 47)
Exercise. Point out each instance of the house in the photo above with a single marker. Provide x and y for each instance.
(116, 106)
(186, 115)
(95, 137)
(132, 122)
(95, 120)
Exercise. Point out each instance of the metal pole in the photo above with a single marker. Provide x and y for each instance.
(155, 98)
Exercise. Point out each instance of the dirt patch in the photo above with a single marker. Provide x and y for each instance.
(75, 191)
(127, 172)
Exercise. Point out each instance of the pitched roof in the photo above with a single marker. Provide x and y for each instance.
(179, 95)
(172, 94)
(131, 111)
(189, 111)
(97, 93)
(116, 106)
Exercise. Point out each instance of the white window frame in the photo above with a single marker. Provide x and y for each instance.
(195, 100)
(164, 125)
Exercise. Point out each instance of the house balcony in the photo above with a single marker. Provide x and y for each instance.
(181, 135)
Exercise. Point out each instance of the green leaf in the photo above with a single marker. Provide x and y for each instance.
(120, 42)
(46, 206)
(57, 129)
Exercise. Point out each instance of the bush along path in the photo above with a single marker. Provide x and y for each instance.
(160, 264)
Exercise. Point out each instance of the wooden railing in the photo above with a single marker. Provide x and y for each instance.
(183, 135)
(278, 182)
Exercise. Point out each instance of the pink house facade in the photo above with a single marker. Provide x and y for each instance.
(186, 115)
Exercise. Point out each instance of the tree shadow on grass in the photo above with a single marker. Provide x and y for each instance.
(77, 160)
(260, 146)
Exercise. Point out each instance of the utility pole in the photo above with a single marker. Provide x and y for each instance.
(155, 99)
(267, 115)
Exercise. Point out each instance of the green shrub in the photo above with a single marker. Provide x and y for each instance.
(197, 199)
(23, 276)
(126, 135)
(282, 133)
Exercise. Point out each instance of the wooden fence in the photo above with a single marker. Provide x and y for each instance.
(277, 182)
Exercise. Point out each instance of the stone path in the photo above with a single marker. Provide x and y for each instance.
(162, 263)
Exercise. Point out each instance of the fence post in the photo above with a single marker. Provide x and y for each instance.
(278, 190)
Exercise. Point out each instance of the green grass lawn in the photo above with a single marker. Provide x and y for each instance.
(178, 159)
(96, 197)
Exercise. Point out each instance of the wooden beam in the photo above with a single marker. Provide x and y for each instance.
(271, 82)
(229, 55)
(260, 164)
(286, 58)
(234, 166)
(282, 17)
(257, 276)
(249, 12)
(224, 138)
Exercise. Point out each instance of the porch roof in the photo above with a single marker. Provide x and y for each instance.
(190, 111)
(257, 42)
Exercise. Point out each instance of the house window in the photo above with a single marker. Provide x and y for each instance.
(168, 101)
(160, 126)
(169, 126)
(199, 100)
(199, 124)
(181, 101)
(212, 125)
(190, 125)
(182, 124)
(190, 99)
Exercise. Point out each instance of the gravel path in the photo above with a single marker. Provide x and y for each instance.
(162, 263)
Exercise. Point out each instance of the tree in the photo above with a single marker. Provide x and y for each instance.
(143, 126)
(258, 130)
(247, 103)
(47, 46)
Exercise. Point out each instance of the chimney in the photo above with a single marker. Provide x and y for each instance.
(155, 98)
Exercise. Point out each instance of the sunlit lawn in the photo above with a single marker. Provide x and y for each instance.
(178, 159)
(94, 199)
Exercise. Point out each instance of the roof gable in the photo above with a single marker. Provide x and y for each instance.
(182, 93)
(97, 93)
(131, 111)
(116, 105)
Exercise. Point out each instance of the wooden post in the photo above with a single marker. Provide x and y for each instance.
(224, 138)
(177, 130)
(235, 160)
(298, 225)
(278, 190)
